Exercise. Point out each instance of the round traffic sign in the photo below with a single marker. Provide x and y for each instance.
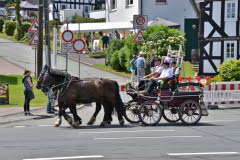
(79, 45)
(140, 20)
(67, 36)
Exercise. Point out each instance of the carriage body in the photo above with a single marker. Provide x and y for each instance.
(186, 99)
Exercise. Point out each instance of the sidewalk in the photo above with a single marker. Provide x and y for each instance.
(7, 68)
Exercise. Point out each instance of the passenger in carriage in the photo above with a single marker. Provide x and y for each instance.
(156, 72)
(175, 70)
(165, 75)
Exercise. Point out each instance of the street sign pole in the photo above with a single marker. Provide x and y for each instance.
(67, 54)
(35, 57)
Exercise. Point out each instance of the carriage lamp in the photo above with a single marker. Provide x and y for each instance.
(189, 79)
(180, 79)
(198, 79)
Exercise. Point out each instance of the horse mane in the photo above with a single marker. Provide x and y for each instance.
(56, 72)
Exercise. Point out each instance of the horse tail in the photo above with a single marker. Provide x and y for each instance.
(119, 101)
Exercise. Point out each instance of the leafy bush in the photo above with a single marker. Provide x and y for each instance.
(122, 58)
(1, 25)
(115, 45)
(9, 27)
(217, 78)
(53, 23)
(114, 61)
(26, 26)
(229, 70)
(98, 54)
(158, 38)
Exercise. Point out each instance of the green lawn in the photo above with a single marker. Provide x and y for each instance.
(3, 35)
(16, 92)
(109, 68)
(187, 70)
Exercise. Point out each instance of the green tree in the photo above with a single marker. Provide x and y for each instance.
(18, 32)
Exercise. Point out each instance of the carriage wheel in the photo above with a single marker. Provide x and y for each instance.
(131, 114)
(150, 113)
(190, 112)
(171, 114)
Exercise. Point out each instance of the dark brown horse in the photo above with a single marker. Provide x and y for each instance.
(101, 91)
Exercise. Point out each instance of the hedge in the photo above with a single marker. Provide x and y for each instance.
(9, 27)
(229, 70)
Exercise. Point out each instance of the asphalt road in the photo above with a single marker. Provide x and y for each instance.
(216, 137)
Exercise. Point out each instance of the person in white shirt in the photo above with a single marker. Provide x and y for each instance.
(165, 75)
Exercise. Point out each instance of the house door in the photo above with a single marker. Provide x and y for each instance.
(191, 35)
(230, 50)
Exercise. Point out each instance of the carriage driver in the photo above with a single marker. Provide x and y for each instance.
(156, 72)
(165, 75)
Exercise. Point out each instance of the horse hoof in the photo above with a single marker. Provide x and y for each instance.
(91, 121)
(76, 124)
(103, 124)
(121, 122)
(56, 125)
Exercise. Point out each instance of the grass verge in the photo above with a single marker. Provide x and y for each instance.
(187, 70)
(3, 35)
(109, 68)
(16, 96)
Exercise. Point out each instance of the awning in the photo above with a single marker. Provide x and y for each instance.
(25, 5)
(94, 27)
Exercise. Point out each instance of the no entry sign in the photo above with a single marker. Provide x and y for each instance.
(79, 45)
(67, 36)
(140, 22)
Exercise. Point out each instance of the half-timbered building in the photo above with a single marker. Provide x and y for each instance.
(85, 5)
(219, 34)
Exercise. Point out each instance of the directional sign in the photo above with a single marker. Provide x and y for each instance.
(66, 48)
(34, 40)
(140, 22)
(139, 37)
(67, 36)
(79, 45)
(34, 27)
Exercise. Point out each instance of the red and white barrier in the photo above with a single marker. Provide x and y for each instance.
(223, 93)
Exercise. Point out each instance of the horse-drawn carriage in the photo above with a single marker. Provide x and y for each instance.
(184, 102)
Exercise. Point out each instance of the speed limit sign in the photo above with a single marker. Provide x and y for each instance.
(140, 22)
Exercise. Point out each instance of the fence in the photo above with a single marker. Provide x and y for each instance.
(4, 94)
(222, 93)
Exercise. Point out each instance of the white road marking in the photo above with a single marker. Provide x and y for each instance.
(76, 157)
(128, 131)
(219, 121)
(202, 153)
(163, 137)
(45, 125)
(20, 126)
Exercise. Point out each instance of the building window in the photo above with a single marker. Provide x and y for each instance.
(231, 11)
(129, 2)
(113, 4)
(86, 9)
(161, 1)
(230, 50)
(63, 6)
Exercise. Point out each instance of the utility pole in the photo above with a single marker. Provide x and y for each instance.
(47, 33)
(40, 38)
